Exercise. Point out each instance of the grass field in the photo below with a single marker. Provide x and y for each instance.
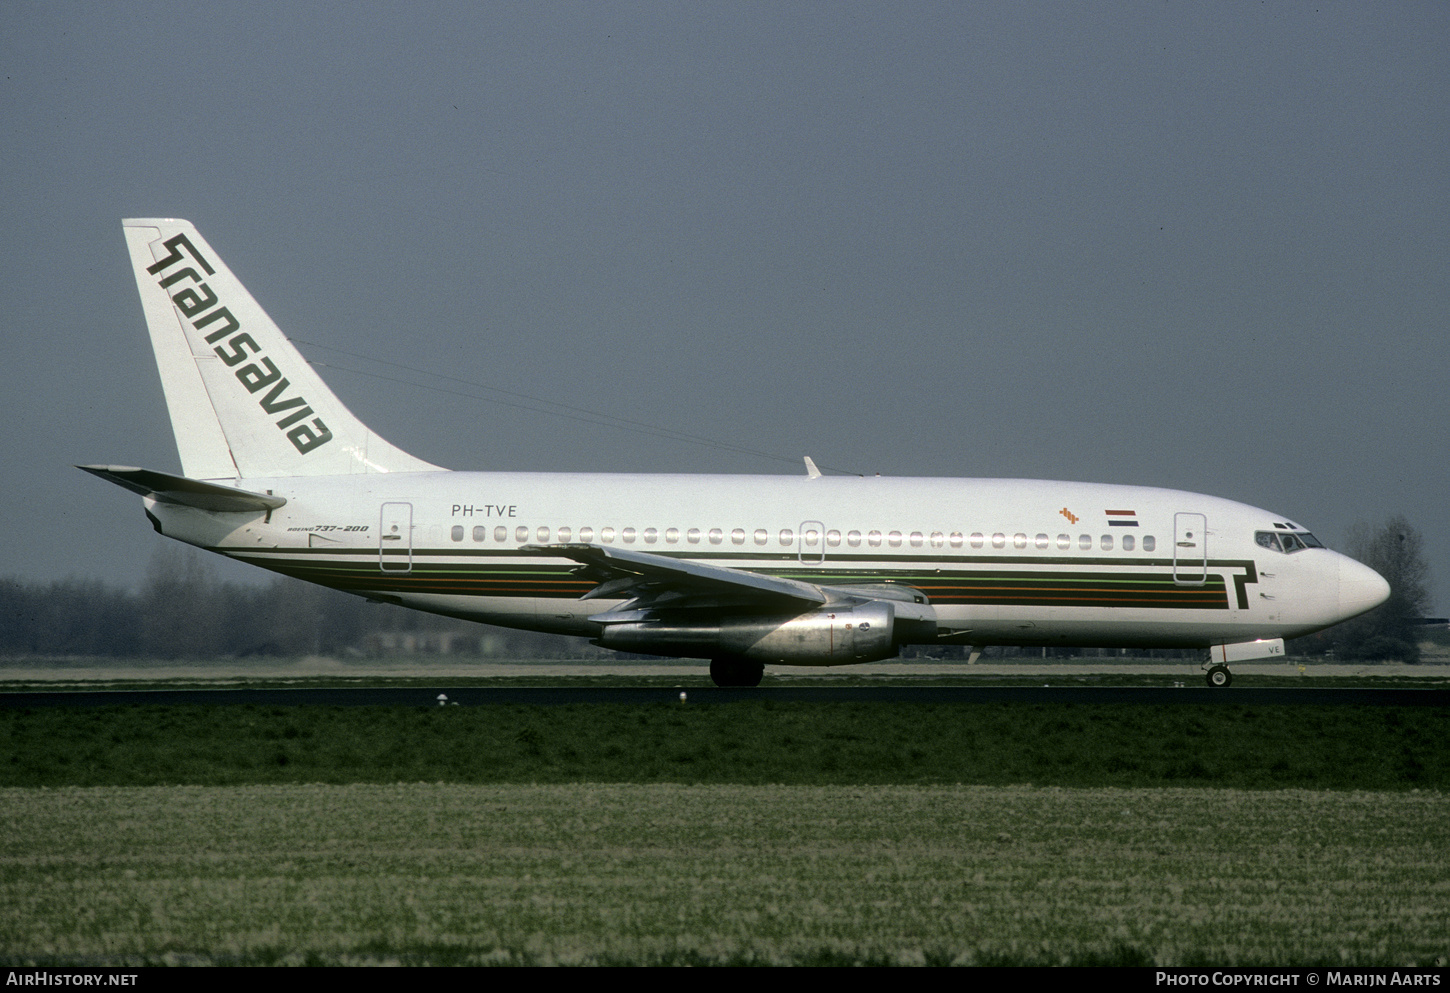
(664, 873)
(750, 832)
(1124, 745)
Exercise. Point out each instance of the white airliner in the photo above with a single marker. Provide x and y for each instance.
(741, 570)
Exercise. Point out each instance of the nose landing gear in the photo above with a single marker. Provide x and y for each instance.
(1219, 676)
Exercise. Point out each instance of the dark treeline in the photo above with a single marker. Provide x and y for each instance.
(183, 611)
(1393, 630)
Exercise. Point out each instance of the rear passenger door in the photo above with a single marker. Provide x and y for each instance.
(395, 538)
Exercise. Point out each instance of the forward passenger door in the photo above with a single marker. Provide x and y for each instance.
(1190, 549)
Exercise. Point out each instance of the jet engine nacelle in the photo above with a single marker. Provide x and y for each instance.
(832, 635)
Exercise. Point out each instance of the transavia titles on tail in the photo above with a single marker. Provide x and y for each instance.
(741, 570)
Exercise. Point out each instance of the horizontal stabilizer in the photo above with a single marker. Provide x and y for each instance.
(186, 492)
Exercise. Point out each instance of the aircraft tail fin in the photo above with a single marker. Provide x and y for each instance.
(243, 401)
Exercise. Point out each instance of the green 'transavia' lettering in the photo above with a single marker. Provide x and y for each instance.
(195, 303)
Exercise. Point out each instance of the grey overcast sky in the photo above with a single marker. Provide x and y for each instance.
(1195, 245)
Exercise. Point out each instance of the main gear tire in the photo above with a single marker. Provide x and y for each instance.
(1219, 677)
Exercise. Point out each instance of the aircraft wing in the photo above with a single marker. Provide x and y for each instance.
(630, 574)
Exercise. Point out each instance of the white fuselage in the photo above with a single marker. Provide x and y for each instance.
(1002, 561)
(743, 570)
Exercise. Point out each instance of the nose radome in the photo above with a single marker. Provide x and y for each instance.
(1360, 588)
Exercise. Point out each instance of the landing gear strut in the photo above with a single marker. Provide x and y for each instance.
(1219, 676)
(736, 672)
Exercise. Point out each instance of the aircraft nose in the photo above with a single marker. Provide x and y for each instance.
(1360, 588)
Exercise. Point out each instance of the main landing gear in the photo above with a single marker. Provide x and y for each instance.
(736, 672)
(1219, 676)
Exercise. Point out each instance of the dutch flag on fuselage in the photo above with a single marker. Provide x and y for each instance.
(1122, 518)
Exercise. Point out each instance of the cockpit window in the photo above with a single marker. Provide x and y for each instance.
(1286, 541)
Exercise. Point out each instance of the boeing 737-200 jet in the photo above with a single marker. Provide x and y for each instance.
(740, 570)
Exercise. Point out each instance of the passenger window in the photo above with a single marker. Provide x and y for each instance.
(999, 540)
(457, 533)
(651, 535)
(761, 536)
(874, 539)
(672, 535)
(917, 538)
(628, 535)
(810, 537)
(894, 539)
(1107, 543)
(693, 536)
(977, 539)
(543, 534)
(938, 539)
(480, 533)
(717, 536)
(586, 534)
(956, 539)
(500, 533)
(1042, 541)
(1149, 543)
(737, 536)
(853, 538)
(1085, 542)
(565, 534)
(607, 536)
(1127, 543)
(1019, 540)
(833, 538)
(787, 536)
(521, 535)
(1064, 541)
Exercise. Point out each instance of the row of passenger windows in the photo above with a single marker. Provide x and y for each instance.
(808, 538)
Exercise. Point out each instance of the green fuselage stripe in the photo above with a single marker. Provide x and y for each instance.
(955, 587)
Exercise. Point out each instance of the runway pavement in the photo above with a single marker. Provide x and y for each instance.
(444, 695)
(443, 668)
